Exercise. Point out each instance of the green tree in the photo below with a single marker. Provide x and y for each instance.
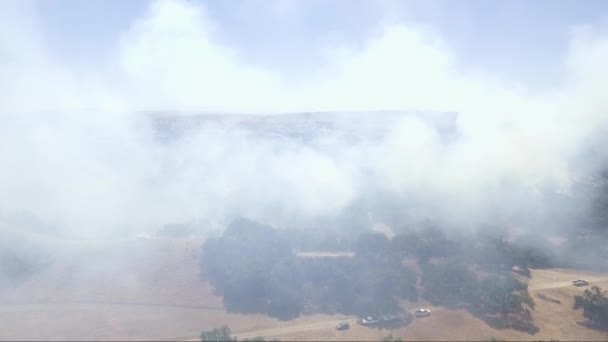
(19, 259)
(391, 338)
(448, 284)
(503, 295)
(594, 304)
(255, 270)
(217, 334)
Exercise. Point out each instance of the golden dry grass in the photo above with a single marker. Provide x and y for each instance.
(151, 290)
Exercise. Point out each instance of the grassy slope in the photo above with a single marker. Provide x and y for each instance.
(64, 303)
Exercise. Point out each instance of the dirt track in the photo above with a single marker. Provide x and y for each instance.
(263, 332)
(558, 284)
(331, 324)
(304, 327)
(294, 329)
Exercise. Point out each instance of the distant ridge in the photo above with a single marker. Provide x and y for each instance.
(303, 126)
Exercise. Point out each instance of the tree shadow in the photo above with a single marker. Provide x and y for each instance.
(520, 322)
(594, 326)
(547, 298)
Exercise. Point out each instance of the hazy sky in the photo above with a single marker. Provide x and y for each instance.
(528, 80)
(519, 41)
(290, 55)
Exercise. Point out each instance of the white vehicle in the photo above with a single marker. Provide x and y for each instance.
(422, 313)
(369, 320)
(580, 282)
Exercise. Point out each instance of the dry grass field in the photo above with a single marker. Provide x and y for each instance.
(150, 289)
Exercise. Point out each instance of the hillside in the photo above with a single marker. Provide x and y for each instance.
(156, 294)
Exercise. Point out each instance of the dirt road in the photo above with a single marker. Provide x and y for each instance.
(327, 324)
(558, 284)
(331, 324)
(289, 328)
(294, 329)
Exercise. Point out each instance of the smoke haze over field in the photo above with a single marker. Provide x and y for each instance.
(77, 152)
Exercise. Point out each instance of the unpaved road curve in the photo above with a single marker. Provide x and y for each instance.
(287, 330)
(557, 284)
(298, 328)
(294, 329)
(331, 324)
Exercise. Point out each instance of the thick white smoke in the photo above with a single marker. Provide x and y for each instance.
(74, 153)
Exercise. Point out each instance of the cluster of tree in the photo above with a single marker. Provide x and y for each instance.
(453, 284)
(491, 252)
(469, 272)
(600, 204)
(217, 334)
(502, 294)
(253, 266)
(476, 274)
(14, 268)
(19, 259)
(502, 255)
(448, 284)
(255, 269)
(595, 306)
(587, 245)
(391, 338)
(592, 243)
(223, 334)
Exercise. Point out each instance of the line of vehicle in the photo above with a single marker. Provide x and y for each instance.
(304, 327)
(284, 330)
(294, 329)
(307, 327)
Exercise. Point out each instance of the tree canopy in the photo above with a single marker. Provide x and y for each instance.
(217, 334)
(594, 304)
(255, 269)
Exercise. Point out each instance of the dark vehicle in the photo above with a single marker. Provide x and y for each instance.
(343, 326)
